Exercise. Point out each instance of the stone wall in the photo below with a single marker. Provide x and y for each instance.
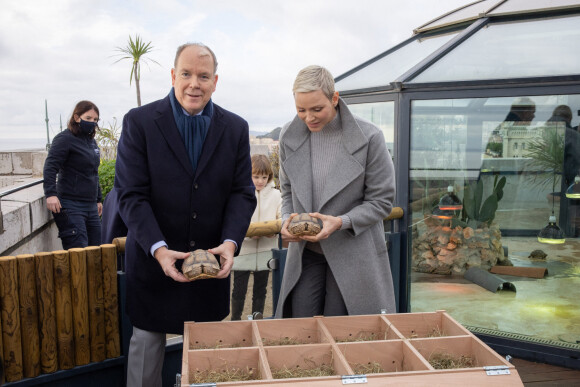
(440, 249)
(28, 226)
(17, 165)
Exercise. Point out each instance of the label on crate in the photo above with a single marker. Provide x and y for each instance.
(496, 370)
(354, 379)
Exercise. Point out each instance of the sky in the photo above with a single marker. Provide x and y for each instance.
(64, 51)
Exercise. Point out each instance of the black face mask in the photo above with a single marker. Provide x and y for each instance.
(87, 127)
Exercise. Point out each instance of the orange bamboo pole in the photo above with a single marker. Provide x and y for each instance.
(266, 228)
(11, 335)
(46, 312)
(28, 315)
(80, 305)
(96, 312)
(64, 319)
(396, 213)
(110, 299)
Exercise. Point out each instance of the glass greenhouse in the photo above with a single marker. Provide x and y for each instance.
(484, 103)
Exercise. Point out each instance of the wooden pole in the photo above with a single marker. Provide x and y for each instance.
(272, 227)
(266, 228)
(396, 213)
(46, 312)
(111, 300)
(64, 319)
(28, 315)
(96, 312)
(120, 244)
(11, 335)
(80, 305)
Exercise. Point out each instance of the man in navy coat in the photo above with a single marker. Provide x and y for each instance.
(183, 179)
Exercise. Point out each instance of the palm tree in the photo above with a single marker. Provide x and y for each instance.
(135, 50)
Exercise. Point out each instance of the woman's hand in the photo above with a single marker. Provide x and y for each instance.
(329, 225)
(100, 208)
(53, 204)
(286, 236)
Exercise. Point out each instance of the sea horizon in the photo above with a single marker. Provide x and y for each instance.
(20, 144)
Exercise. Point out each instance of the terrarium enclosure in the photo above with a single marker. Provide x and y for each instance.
(330, 351)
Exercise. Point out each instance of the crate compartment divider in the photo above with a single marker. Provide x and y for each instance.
(400, 343)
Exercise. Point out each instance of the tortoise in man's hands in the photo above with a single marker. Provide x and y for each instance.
(304, 224)
(200, 264)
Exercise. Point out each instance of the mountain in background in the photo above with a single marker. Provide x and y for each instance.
(274, 134)
(257, 134)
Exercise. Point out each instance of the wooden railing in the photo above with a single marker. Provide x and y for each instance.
(269, 227)
(59, 310)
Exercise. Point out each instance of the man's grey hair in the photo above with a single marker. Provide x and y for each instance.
(314, 78)
(184, 46)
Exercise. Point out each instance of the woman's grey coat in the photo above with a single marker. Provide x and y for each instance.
(360, 184)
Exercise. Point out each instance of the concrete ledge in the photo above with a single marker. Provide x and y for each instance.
(34, 197)
(16, 219)
(22, 163)
(25, 220)
(5, 163)
(47, 240)
(38, 159)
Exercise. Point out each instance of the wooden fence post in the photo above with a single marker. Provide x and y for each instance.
(46, 312)
(110, 299)
(96, 312)
(28, 315)
(80, 305)
(12, 340)
(64, 324)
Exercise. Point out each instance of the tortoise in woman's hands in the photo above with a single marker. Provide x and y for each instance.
(200, 264)
(304, 224)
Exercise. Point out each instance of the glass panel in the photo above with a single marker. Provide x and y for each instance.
(387, 69)
(470, 145)
(515, 6)
(382, 114)
(534, 48)
(469, 12)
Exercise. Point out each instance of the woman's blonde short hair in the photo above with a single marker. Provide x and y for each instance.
(314, 78)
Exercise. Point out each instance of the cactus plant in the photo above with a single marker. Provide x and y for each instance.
(476, 211)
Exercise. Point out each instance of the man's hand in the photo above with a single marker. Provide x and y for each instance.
(329, 225)
(225, 251)
(100, 208)
(167, 259)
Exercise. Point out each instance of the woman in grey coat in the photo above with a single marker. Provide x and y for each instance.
(336, 167)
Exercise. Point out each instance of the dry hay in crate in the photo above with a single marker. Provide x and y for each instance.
(363, 336)
(445, 361)
(283, 341)
(217, 345)
(299, 372)
(224, 375)
(369, 368)
(435, 332)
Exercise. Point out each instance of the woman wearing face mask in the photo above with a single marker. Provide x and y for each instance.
(75, 197)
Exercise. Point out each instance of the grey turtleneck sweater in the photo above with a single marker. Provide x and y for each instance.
(324, 146)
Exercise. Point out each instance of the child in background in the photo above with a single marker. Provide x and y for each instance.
(256, 251)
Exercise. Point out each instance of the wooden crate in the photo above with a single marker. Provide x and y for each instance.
(393, 349)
